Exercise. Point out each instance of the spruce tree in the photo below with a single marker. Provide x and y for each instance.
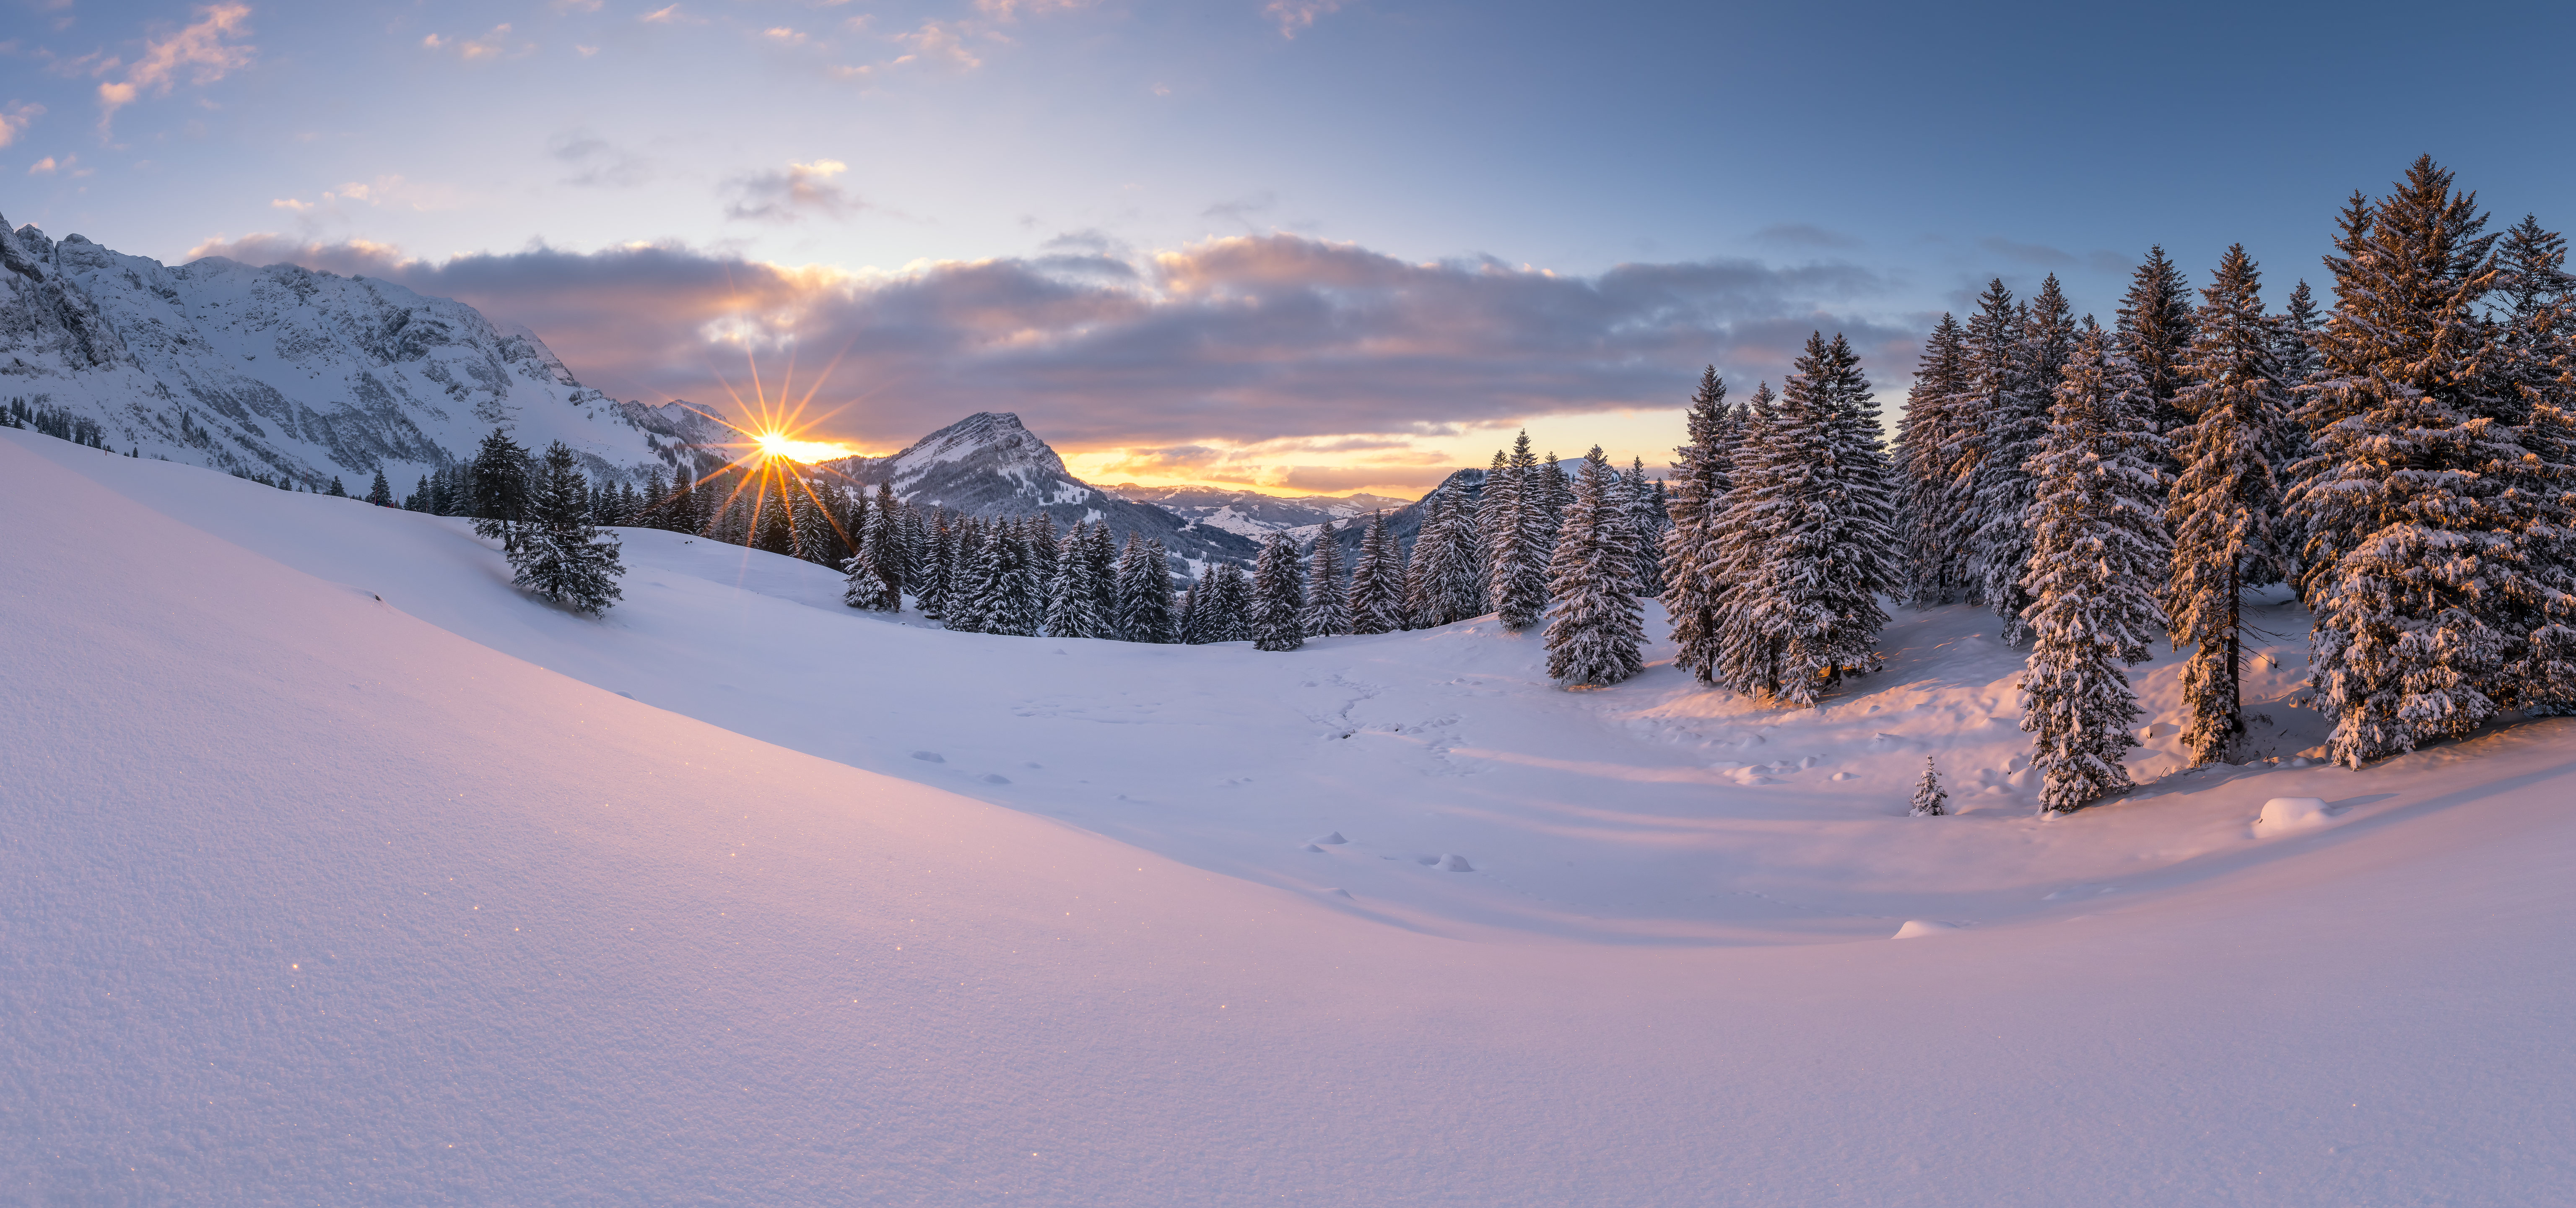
(1937, 430)
(1692, 572)
(499, 489)
(2434, 523)
(382, 493)
(1278, 597)
(1820, 542)
(560, 554)
(1929, 799)
(2098, 550)
(1744, 655)
(1144, 593)
(2222, 506)
(1493, 504)
(1076, 596)
(1221, 605)
(1594, 625)
(1645, 504)
(1328, 604)
(2012, 410)
(2155, 330)
(1518, 541)
(1443, 582)
(1377, 582)
(1018, 604)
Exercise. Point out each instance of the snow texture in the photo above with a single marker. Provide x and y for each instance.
(336, 870)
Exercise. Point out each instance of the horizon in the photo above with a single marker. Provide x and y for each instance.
(1454, 221)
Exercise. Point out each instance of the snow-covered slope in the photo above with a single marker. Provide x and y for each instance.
(284, 370)
(1253, 514)
(334, 870)
(988, 464)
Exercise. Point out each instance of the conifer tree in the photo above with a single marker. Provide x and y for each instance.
(2155, 329)
(1820, 537)
(1518, 541)
(560, 554)
(382, 493)
(499, 489)
(1644, 501)
(937, 569)
(1377, 582)
(1220, 605)
(1018, 605)
(1328, 604)
(1443, 582)
(2012, 409)
(1744, 655)
(1929, 799)
(2221, 508)
(1074, 596)
(1039, 536)
(1594, 625)
(879, 570)
(1937, 430)
(975, 580)
(2434, 523)
(1493, 505)
(1144, 593)
(813, 536)
(1278, 597)
(2098, 549)
(1692, 572)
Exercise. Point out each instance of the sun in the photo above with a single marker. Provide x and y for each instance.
(780, 444)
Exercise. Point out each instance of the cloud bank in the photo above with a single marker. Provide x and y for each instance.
(1270, 340)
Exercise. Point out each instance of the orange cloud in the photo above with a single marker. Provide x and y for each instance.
(198, 50)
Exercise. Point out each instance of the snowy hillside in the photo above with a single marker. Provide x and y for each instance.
(989, 464)
(332, 869)
(283, 370)
(1253, 514)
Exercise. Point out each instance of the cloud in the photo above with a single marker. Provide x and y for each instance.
(2039, 254)
(1804, 234)
(47, 166)
(788, 196)
(1294, 15)
(494, 44)
(1225, 344)
(598, 162)
(936, 43)
(669, 16)
(200, 51)
(1007, 11)
(16, 117)
(384, 192)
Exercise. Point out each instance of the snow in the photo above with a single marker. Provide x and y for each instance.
(333, 869)
(2284, 814)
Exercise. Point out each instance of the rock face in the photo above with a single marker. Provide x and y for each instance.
(988, 464)
(284, 370)
(1253, 514)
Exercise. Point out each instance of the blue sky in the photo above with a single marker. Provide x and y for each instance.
(1299, 244)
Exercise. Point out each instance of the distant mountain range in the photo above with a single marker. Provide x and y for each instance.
(290, 371)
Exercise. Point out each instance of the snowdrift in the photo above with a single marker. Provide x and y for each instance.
(334, 870)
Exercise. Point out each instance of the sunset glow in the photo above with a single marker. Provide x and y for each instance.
(780, 444)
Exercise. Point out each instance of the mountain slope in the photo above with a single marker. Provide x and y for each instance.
(1253, 514)
(989, 464)
(312, 896)
(283, 370)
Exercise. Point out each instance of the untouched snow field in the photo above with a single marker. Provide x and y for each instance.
(333, 870)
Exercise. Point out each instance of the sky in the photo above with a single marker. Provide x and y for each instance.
(1298, 245)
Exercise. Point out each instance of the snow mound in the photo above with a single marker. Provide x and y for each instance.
(1455, 863)
(2282, 815)
(1915, 929)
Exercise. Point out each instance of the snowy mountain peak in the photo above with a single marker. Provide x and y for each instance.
(286, 370)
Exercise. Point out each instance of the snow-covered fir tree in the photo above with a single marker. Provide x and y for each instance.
(1744, 656)
(1145, 593)
(1692, 575)
(975, 581)
(1933, 439)
(1018, 605)
(2222, 507)
(1443, 581)
(938, 569)
(1077, 593)
(879, 571)
(1278, 597)
(2098, 552)
(1516, 540)
(498, 489)
(1822, 533)
(2435, 507)
(2012, 410)
(1377, 581)
(1545, 507)
(1594, 625)
(1221, 605)
(1643, 500)
(559, 553)
(2154, 331)
(1930, 801)
(1328, 603)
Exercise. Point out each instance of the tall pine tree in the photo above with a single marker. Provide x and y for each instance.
(1693, 579)
(559, 553)
(1594, 626)
(2097, 550)
(1328, 603)
(1937, 431)
(1278, 597)
(1145, 593)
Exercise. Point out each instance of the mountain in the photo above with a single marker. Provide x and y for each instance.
(286, 370)
(1406, 521)
(1252, 513)
(989, 464)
